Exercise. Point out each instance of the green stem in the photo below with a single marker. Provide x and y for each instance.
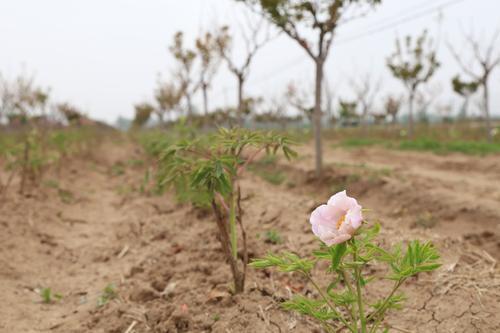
(232, 227)
(379, 314)
(332, 306)
(351, 290)
(357, 274)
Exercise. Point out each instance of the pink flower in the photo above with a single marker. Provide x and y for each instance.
(336, 221)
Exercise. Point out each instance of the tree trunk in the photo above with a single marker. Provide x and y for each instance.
(317, 118)
(161, 119)
(24, 172)
(189, 106)
(487, 120)
(241, 81)
(410, 115)
(238, 275)
(204, 88)
(364, 121)
(465, 108)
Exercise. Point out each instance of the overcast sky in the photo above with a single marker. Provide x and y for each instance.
(105, 55)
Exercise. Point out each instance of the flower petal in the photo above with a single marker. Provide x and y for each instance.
(341, 201)
(355, 216)
(337, 240)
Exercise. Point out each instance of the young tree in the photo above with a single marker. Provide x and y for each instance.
(392, 106)
(168, 96)
(213, 166)
(466, 90)
(365, 90)
(71, 113)
(486, 59)
(254, 40)
(347, 113)
(143, 113)
(207, 51)
(301, 18)
(414, 63)
(185, 58)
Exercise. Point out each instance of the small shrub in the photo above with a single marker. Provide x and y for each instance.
(348, 246)
(48, 297)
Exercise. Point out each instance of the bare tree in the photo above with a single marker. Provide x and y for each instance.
(366, 90)
(301, 18)
(185, 58)
(486, 59)
(255, 38)
(414, 65)
(207, 51)
(168, 97)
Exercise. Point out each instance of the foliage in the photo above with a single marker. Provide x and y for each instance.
(414, 63)
(142, 115)
(342, 306)
(347, 111)
(29, 153)
(48, 297)
(211, 166)
(70, 112)
(464, 88)
(429, 144)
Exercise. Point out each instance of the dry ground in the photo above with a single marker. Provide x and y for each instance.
(170, 275)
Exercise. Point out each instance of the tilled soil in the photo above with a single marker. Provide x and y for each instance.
(98, 228)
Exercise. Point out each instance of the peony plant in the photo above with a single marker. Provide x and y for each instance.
(348, 245)
(212, 166)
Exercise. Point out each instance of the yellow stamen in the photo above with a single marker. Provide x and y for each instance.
(340, 221)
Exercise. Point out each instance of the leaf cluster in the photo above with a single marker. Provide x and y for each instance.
(211, 163)
(346, 263)
(464, 88)
(414, 61)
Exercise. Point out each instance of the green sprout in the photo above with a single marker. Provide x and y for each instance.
(109, 293)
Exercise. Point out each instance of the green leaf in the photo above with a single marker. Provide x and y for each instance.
(287, 262)
(337, 252)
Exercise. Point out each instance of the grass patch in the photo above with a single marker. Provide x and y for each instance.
(464, 147)
(360, 142)
(426, 144)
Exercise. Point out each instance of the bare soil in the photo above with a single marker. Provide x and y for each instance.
(96, 228)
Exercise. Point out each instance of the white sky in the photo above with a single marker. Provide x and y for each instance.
(105, 55)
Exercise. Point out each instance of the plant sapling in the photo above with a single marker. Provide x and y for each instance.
(348, 246)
